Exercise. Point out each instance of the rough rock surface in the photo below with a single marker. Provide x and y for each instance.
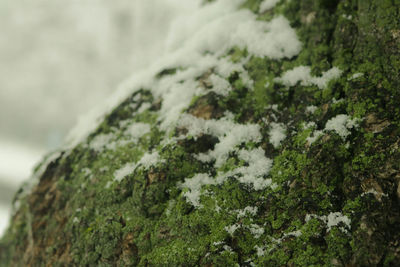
(243, 155)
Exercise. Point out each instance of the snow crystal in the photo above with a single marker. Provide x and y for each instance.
(340, 124)
(277, 134)
(302, 74)
(267, 5)
(124, 171)
(137, 130)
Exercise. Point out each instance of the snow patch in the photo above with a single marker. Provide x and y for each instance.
(302, 74)
(137, 130)
(124, 171)
(277, 134)
(340, 124)
(267, 5)
(332, 219)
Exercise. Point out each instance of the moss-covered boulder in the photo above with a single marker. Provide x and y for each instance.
(270, 137)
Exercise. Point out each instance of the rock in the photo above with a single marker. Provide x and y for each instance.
(202, 184)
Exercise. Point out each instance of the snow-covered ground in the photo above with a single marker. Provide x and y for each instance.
(58, 59)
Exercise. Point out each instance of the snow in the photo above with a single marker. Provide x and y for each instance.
(315, 135)
(229, 133)
(247, 210)
(302, 74)
(275, 40)
(150, 159)
(137, 130)
(124, 171)
(267, 5)
(231, 229)
(220, 85)
(215, 28)
(256, 230)
(277, 134)
(356, 76)
(311, 109)
(340, 124)
(194, 185)
(102, 141)
(332, 219)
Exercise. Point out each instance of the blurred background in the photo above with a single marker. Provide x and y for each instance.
(58, 59)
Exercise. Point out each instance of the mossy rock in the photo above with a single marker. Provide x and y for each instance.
(261, 174)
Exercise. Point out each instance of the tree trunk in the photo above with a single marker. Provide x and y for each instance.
(257, 144)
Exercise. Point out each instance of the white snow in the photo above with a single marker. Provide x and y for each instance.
(256, 230)
(229, 133)
(247, 210)
(231, 229)
(215, 28)
(340, 124)
(137, 130)
(356, 75)
(150, 159)
(267, 5)
(220, 85)
(102, 141)
(277, 134)
(302, 74)
(275, 39)
(315, 135)
(311, 109)
(332, 219)
(194, 185)
(124, 171)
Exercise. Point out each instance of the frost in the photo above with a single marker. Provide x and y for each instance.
(267, 5)
(340, 124)
(277, 134)
(302, 74)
